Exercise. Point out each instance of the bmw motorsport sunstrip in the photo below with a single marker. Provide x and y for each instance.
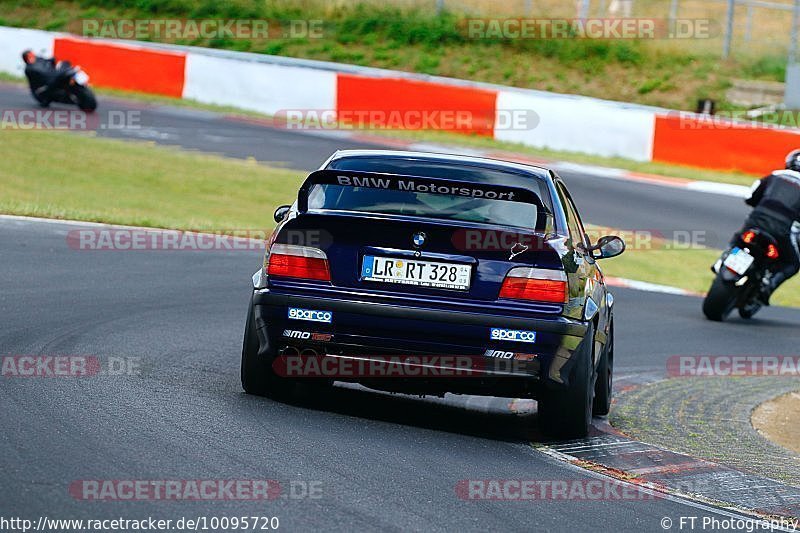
(406, 255)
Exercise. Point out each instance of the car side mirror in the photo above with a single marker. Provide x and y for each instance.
(609, 246)
(281, 213)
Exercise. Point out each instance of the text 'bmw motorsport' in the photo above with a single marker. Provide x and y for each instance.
(413, 186)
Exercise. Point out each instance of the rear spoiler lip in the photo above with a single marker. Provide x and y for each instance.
(328, 176)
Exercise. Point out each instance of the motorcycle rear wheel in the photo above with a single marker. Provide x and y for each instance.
(86, 99)
(720, 301)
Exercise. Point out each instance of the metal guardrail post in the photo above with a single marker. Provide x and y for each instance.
(791, 97)
(726, 52)
(795, 22)
(584, 9)
(748, 32)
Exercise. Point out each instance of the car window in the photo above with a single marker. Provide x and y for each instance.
(574, 224)
(393, 202)
(500, 212)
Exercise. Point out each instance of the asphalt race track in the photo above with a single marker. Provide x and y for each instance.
(379, 461)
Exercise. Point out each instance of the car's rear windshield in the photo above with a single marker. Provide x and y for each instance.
(432, 205)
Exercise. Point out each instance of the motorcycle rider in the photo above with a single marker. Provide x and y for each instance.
(42, 75)
(776, 202)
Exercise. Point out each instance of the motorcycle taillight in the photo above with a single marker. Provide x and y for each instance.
(772, 252)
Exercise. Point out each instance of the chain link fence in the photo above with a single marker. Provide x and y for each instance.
(739, 27)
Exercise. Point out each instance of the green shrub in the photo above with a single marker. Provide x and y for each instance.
(427, 64)
(649, 86)
(771, 67)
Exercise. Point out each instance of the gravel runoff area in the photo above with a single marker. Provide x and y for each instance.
(779, 420)
(710, 418)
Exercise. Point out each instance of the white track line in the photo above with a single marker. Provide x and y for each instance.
(648, 287)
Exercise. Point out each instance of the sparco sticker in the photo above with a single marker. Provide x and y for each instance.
(513, 335)
(312, 315)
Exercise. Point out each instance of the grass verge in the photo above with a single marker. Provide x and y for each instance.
(76, 176)
(61, 175)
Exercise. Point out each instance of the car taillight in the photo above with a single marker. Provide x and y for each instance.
(748, 236)
(291, 261)
(772, 252)
(535, 284)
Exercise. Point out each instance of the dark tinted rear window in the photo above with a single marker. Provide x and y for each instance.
(501, 212)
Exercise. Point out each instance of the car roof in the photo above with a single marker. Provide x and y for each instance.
(434, 157)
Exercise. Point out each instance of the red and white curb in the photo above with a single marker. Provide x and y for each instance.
(649, 287)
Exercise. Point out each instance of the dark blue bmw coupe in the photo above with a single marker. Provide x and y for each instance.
(430, 274)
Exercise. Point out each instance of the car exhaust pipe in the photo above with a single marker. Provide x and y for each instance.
(290, 351)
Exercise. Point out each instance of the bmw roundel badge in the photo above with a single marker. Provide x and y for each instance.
(419, 239)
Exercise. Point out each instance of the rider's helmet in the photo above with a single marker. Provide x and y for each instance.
(28, 56)
(793, 160)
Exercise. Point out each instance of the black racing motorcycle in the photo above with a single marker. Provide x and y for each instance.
(68, 84)
(740, 274)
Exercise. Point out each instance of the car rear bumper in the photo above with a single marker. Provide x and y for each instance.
(431, 345)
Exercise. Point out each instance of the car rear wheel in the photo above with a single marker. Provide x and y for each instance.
(258, 375)
(567, 412)
(605, 377)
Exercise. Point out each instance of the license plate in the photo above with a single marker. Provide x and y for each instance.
(415, 272)
(739, 261)
(81, 78)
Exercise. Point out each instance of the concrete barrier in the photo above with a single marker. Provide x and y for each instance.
(14, 41)
(577, 124)
(125, 66)
(713, 143)
(261, 87)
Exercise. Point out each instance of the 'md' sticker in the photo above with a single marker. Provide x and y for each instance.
(295, 313)
(512, 335)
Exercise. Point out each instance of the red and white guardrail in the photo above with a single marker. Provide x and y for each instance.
(273, 85)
